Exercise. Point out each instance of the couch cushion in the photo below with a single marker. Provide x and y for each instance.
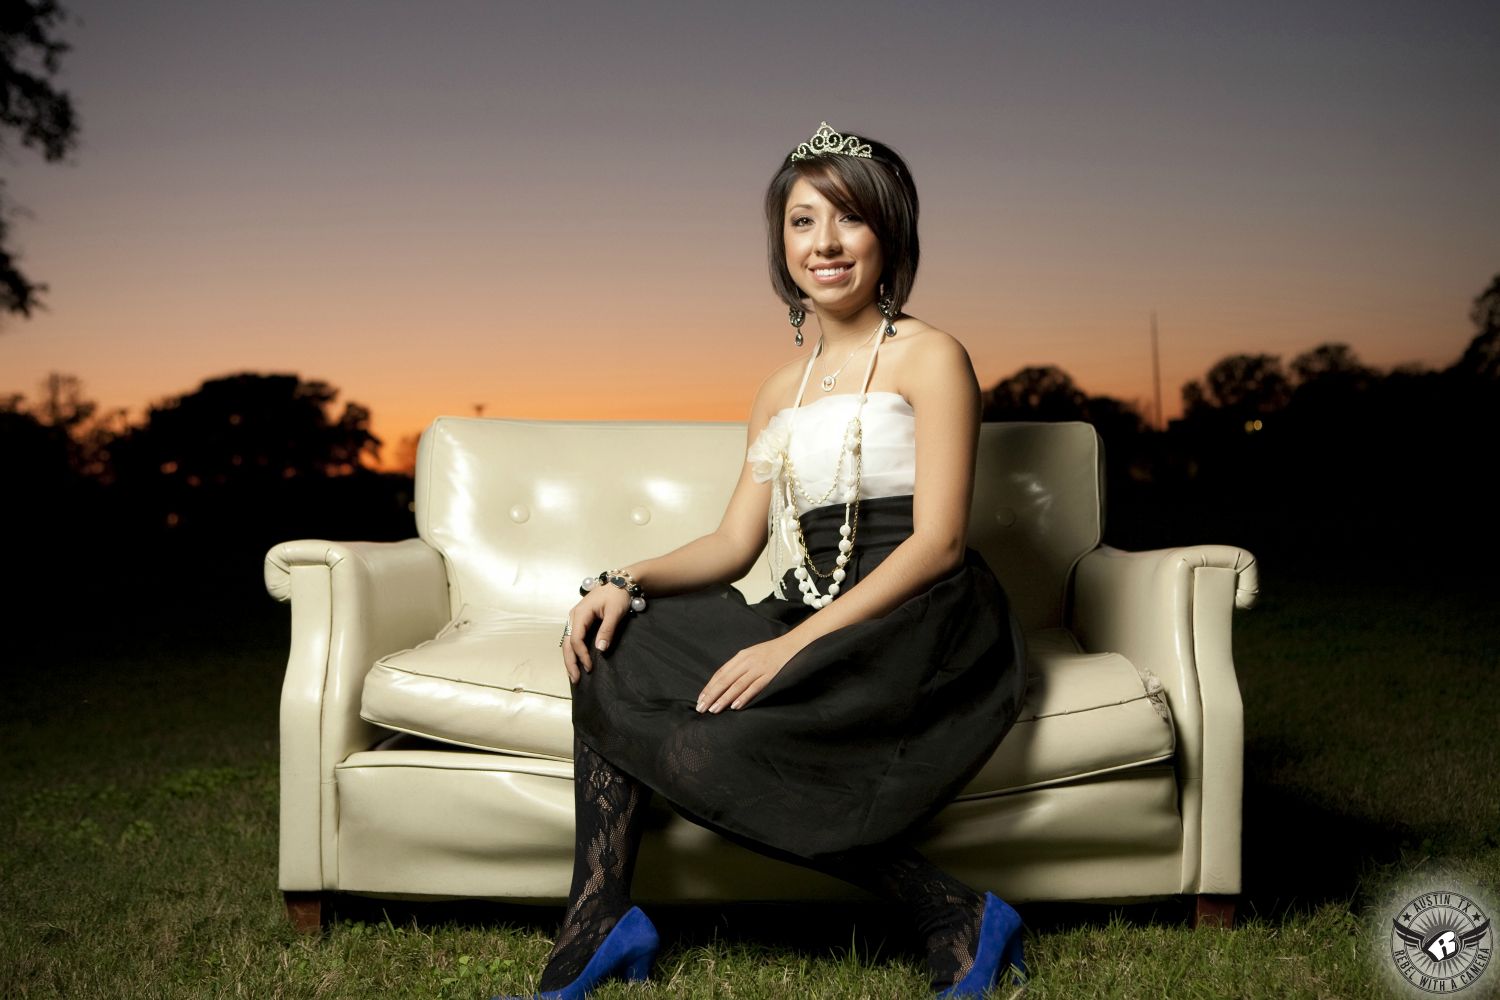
(494, 680)
(491, 679)
(1084, 714)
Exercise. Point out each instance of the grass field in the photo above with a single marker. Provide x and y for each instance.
(138, 799)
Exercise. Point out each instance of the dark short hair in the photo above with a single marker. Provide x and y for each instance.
(879, 189)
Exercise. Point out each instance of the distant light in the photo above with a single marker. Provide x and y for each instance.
(194, 481)
(1258, 425)
(234, 418)
(288, 472)
(167, 468)
(172, 520)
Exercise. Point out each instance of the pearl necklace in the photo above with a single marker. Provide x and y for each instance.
(852, 447)
(805, 581)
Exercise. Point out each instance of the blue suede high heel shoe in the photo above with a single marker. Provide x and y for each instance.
(626, 952)
(999, 949)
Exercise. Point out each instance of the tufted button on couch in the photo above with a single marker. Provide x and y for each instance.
(425, 717)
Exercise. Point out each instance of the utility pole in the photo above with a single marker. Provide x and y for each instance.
(1156, 372)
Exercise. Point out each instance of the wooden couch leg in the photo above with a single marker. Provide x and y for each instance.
(1214, 911)
(305, 911)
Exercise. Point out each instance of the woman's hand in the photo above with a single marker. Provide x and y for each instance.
(737, 682)
(606, 604)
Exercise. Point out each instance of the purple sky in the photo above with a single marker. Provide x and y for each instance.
(553, 209)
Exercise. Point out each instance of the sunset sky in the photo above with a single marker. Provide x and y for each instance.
(553, 209)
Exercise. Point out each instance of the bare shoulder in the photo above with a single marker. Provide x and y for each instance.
(931, 361)
(777, 390)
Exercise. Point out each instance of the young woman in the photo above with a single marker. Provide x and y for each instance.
(827, 722)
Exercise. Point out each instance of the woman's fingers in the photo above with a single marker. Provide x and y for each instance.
(571, 660)
(738, 682)
(608, 619)
(751, 691)
(608, 613)
(581, 648)
(715, 686)
(580, 618)
(732, 693)
(712, 698)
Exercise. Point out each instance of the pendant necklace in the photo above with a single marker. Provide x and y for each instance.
(832, 379)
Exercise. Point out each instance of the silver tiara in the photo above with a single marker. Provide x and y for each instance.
(825, 140)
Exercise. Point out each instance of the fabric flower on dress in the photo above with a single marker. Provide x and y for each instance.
(768, 452)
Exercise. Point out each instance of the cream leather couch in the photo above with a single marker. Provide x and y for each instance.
(425, 734)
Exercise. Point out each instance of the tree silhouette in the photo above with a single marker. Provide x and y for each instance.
(197, 491)
(1332, 392)
(1482, 357)
(247, 460)
(1331, 363)
(1046, 392)
(29, 106)
(247, 430)
(39, 452)
(1041, 392)
(1242, 386)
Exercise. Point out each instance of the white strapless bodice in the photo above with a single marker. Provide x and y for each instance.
(812, 435)
(807, 453)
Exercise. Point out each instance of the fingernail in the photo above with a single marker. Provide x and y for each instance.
(700, 706)
(600, 644)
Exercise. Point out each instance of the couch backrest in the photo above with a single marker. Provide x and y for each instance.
(522, 510)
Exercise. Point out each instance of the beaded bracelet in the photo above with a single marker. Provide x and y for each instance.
(622, 579)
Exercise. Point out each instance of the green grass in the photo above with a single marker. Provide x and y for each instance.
(138, 807)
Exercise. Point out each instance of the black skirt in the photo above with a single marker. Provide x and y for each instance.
(861, 738)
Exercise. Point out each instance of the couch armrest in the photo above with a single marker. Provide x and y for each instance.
(352, 603)
(1168, 610)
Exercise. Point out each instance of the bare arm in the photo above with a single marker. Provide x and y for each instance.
(724, 554)
(721, 556)
(944, 394)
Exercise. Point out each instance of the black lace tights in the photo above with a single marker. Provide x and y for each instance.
(948, 913)
(609, 813)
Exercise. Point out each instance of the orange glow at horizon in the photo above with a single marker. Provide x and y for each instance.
(558, 217)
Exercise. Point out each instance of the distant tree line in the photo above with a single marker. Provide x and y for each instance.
(213, 477)
(1322, 457)
(1319, 458)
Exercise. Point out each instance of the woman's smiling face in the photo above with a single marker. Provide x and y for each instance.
(832, 254)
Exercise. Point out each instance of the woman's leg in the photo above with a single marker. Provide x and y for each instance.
(948, 913)
(609, 814)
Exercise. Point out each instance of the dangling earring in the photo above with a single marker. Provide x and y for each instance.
(796, 317)
(887, 307)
